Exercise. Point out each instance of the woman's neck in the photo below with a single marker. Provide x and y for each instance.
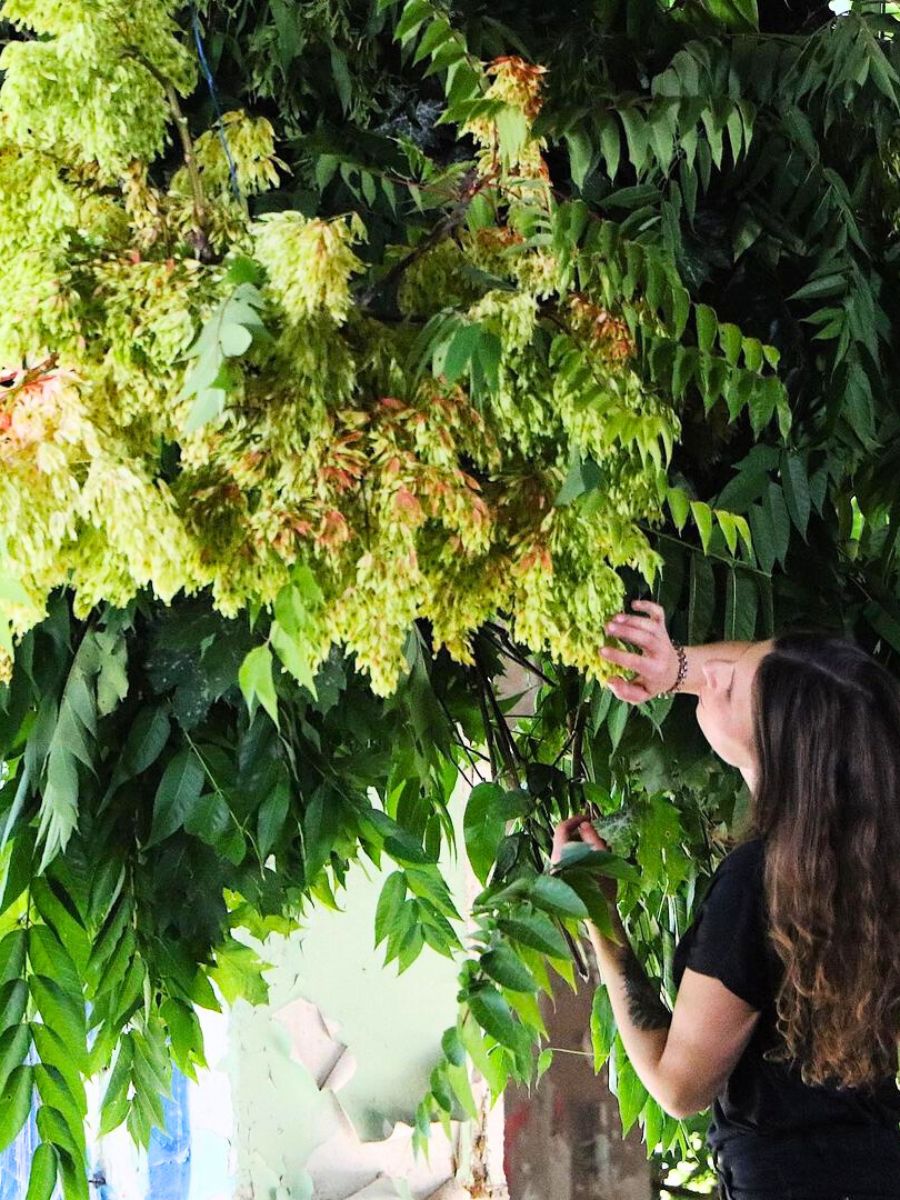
(750, 775)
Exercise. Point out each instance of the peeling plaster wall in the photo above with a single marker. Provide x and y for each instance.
(325, 1079)
(312, 1096)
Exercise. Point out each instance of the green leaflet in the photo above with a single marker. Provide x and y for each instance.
(603, 1027)
(14, 1044)
(507, 969)
(555, 895)
(179, 790)
(255, 677)
(43, 1174)
(227, 334)
(535, 930)
(74, 732)
(15, 1104)
(484, 826)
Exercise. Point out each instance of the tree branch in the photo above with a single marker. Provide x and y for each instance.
(472, 185)
(187, 148)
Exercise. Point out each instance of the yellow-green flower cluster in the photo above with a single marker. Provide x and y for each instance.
(405, 496)
(90, 88)
(309, 262)
(76, 506)
(433, 280)
(251, 143)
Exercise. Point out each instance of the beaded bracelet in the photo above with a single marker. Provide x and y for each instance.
(682, 671)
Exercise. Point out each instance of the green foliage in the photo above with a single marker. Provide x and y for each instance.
(287, 477)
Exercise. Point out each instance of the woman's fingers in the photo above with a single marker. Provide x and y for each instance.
(638, 632)
(653, 667)
(567, 828)
(564, 833)
(624, 658)
(579, 825)
(629, 689)
(654, 610)
(590, 835)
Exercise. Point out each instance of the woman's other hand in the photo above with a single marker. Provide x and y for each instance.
(580, 827)
(656, 667)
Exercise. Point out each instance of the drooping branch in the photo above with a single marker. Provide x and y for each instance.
(472, 185)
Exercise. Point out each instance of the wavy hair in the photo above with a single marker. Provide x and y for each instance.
(826, 729)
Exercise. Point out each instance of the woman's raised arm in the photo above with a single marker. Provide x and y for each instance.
(657, 664)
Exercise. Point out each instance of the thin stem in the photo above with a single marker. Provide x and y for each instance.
(212, 779)
(184, 134)
(566, 745)
(507, 745)
(461, 741)
(472, 187)
(509, 649)
(731, 562)
(488, 728)
(578, 745)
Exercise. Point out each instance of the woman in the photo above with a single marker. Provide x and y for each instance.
(787, 1016)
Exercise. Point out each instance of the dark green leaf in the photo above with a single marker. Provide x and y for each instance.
(390, 902)
(272, 816)
(54, 1092)
(554, 895)
(12, 955)
(178, 790)
(53, 1051)
(146, 739)
(484, 824)
(19, 867)
(460, 351)
(494, 1015)
(537, 931)
(779, 520)
(50, 958)
(796, 490)
(64, 1014)
(630, 1092)
(14, 1043)
(13, 1002)
(603, 1026)
(453, 1047)
(508, 969)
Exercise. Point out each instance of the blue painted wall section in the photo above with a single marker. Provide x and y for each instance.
(170, 1148)
(168, 1155)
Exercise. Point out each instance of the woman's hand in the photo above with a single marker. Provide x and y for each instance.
(580, 827)
(657, 666)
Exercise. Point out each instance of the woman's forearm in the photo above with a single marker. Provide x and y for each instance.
(641, 1017)
(697, 656)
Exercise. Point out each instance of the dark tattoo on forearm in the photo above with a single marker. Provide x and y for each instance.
(645, 1007)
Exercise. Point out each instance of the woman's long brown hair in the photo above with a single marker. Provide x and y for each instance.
(826, 728)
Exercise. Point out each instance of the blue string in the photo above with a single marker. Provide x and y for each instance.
(211, 84)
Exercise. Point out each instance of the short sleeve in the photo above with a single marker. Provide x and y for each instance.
(728, 937)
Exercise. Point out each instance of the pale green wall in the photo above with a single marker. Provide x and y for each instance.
(391, 1025)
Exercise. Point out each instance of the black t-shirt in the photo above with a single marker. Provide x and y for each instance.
(769, 1130)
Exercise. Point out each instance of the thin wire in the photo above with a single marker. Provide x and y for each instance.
(214, 95)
